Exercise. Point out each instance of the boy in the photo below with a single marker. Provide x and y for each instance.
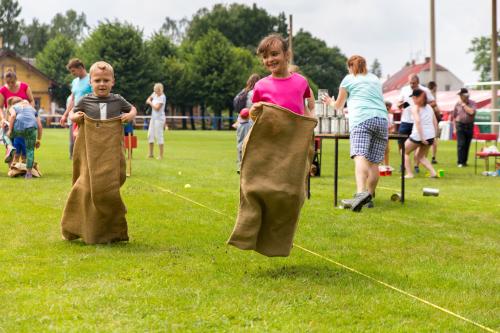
(95, 211)
(241, 132)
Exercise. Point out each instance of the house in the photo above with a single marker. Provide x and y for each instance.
(26, 72)
(446, 80)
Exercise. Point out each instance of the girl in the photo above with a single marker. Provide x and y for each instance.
(283, 88)
(24, 122)
(368, 126)
(423, 133)
(157, 101)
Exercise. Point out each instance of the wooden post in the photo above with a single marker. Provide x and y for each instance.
(290, 38)
(494, 63)
(433, 42)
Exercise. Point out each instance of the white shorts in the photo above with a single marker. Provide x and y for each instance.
(155, 131)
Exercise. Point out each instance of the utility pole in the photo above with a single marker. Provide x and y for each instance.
(494, 61)
(290, 38)
(433, 42)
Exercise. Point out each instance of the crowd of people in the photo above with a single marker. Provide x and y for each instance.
(370, 117)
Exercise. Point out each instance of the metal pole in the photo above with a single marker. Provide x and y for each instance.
(494, 60)
(433, 42)
(290, 38)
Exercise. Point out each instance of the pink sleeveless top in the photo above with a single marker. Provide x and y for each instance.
(22, 93)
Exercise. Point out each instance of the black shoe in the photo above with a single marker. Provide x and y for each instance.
(370, 204)
(360, 199)
(434, 161)
(417, 169)
(347, 203)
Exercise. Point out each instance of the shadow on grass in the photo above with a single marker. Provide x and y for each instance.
(320, 274)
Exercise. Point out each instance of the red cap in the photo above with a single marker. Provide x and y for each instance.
(244, 113)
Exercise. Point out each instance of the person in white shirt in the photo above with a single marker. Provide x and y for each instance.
(405, 105)
(422, 135)
(157, 101)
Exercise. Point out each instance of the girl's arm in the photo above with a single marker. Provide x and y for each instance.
(30, 97)
(417, 123)
(156, 106)
(342, 97)
(436, 126)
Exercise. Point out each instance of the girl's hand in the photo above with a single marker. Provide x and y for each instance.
(255, 109)
(326, 99)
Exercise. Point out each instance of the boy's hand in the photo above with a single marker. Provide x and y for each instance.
(37, 144)
(127, 117)
(63, 121)
(77, 117)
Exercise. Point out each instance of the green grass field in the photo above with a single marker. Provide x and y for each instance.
(177, 274)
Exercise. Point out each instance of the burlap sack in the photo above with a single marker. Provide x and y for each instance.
(95, 211)
(277, 155)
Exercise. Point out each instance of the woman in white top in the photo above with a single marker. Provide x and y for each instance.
(157, 101)
(423, 133)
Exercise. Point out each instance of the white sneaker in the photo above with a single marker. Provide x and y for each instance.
(460, 165)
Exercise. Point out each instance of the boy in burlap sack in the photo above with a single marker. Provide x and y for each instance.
(95, 211)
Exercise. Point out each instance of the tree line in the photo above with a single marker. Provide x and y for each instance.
(204, 61)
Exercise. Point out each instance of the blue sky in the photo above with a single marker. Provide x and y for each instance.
(394, 31)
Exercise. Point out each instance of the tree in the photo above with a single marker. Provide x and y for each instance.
(481, 48)
(244, 26)
(37, 36)
(175, 30)
(325, 66)
(221, 70)
(52, 61)
(70, 24)
(376, 68)
(9, 23)
(122, 45)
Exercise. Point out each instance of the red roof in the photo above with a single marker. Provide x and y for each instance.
(400, 79)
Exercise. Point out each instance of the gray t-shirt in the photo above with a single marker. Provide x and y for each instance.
(102, 108)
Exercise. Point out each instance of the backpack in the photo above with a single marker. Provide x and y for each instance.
(240, 101)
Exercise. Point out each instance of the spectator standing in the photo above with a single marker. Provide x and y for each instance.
(462, 119)
(80, 86)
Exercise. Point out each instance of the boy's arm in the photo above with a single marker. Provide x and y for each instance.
(39, 132)
(129, 116)
(12, 119)
(76, 113)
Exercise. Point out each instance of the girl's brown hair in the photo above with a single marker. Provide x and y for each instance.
(357, 64)
(252, 80)
(269, 41)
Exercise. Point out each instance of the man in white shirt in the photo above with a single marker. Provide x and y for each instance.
(406, 103)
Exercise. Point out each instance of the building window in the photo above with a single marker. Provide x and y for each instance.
(37, 103)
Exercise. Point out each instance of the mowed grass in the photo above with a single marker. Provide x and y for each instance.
(177, 274)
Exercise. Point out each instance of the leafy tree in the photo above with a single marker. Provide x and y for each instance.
(481, 48)
(174, 29)
(37, 36)
(70, 24)
(324, 65)
(376, 68)
(122, 45)
(244, 26)
(221, 70)
(9, 23)
(52, 61)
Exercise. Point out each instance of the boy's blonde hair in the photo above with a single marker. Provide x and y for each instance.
(159, 86)
(13, 100)
(101, 66)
